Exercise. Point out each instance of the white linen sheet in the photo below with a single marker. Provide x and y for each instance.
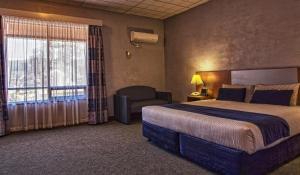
(231, 133)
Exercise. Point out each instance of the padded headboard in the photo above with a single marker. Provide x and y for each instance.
(265, 76)
(215, 79)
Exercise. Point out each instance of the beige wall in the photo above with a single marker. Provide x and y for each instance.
(146, 67)
(230, 34)
(222, 34)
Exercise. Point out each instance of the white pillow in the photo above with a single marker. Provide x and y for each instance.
(294, 87)
(249, 90)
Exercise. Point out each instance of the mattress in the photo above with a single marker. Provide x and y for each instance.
(236, 134)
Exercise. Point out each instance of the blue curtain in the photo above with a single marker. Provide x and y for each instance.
(97, 98)
(3, 90)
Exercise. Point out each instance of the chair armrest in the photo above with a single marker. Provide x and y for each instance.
(122, 108)
(164, 96)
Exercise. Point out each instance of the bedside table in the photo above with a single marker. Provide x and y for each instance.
(199, 97)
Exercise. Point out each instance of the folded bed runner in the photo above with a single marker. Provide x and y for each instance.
(272, 127)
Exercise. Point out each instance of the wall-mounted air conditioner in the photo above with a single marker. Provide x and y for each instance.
(141, 37)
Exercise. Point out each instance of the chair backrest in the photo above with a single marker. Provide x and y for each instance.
(137, 93)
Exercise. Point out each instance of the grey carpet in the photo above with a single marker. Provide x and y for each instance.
(112, 148)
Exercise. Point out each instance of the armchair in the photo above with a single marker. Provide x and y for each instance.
(132, 99)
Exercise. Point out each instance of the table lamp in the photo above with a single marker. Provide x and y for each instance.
(196, 79)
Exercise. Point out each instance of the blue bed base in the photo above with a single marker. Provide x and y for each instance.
(219, 158)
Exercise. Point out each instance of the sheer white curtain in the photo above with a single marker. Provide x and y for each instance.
(46, 73)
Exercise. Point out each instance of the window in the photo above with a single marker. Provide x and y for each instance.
(45, 60)
(64, 78)
(27, 60)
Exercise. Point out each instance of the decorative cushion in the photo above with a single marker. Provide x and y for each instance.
(232, 94)
(294, 87)
(136, 93)
(249, 90)
(274, 97)
(138, 105)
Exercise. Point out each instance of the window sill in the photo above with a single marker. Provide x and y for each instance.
(53, 100)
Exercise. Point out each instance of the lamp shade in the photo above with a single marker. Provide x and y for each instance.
(196, 79)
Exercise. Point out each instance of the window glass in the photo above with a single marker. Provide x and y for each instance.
(45, 60)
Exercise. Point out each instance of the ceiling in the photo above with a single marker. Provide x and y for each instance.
(159, 9)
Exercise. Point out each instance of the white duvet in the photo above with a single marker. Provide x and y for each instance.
(231, 133)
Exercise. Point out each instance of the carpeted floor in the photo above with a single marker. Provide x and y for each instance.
(112, 148)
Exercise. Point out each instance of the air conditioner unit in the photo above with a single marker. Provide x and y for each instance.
(140, 37)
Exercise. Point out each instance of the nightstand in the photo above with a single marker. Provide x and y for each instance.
(199, 97)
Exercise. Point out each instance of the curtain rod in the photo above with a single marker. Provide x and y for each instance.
(49, 17)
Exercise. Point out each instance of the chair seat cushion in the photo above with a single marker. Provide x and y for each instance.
(136, 106)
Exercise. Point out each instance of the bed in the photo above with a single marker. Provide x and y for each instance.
(229, 145)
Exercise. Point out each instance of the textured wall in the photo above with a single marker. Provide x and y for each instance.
(146, 67)
(230, 34)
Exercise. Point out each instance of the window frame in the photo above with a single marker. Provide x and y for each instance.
(49, 87)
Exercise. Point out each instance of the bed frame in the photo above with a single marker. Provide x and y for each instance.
(222, 159)
(219, 158)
